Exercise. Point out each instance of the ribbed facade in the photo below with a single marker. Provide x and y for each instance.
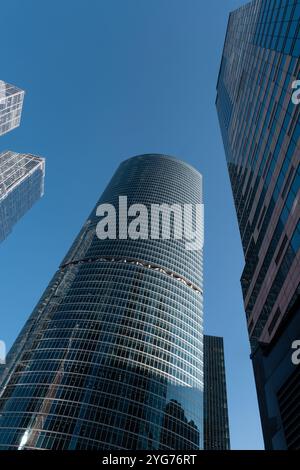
(216, 422)
(21, 185)
(11, 103)
(261, 130)
(112, 356)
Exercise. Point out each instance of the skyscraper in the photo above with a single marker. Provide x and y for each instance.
(215, 409)
(11, 103)
(21, 185)
(112, 355)
(261, 128)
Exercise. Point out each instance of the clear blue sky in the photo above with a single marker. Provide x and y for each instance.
(105, 80)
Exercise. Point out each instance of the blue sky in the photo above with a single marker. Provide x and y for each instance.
(105, 80)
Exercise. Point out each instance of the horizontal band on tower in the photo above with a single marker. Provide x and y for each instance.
(137, 262)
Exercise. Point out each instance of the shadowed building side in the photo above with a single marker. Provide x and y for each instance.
(260, 125)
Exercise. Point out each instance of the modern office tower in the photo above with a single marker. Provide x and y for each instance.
(261, 128)
(215, 409)
(2, 356)
(11, 103)
(21, 185)
(112, 356)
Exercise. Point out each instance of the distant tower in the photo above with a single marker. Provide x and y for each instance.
(11, 103)
(21, 185)
(216, 423)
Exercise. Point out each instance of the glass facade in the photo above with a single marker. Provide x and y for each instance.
(11, 103)
(261, 130)
(21, 185)
(216, 422)
(112, 355)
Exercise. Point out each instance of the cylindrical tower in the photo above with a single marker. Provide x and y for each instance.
(111, 357)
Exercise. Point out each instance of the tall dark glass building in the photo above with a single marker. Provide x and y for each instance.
(112, 355)
(11, 104)
(261, 129)
(216, 422)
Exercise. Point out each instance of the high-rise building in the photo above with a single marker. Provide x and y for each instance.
(260, 124)
(21, 185)
(215, 409)
(11, 103)
(112, 356)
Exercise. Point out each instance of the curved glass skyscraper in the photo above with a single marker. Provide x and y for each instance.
(111, 357)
